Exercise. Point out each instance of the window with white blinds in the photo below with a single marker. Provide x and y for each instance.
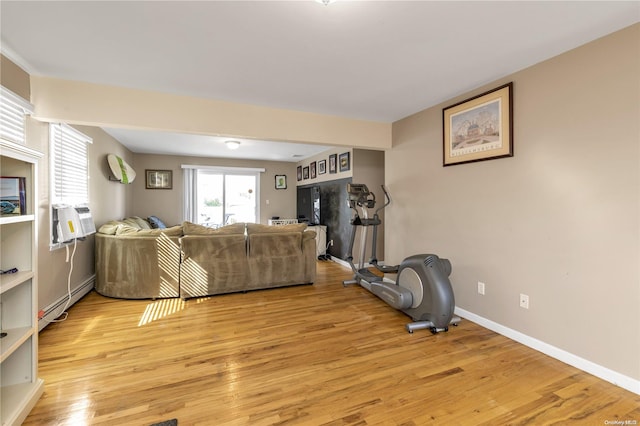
(13, 113)
(69, 166)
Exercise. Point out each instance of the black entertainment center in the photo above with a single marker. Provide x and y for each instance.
(309, 205)
(325, 203)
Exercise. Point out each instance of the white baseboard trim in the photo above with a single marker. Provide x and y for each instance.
(599, 371)
(340, 261)
(345, 263)
(54, 310)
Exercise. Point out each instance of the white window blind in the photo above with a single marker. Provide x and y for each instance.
(13, 113)
(69, 166)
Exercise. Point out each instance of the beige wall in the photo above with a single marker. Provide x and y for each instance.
(167, 204)
(368, 168)
(14, 78)
(108, 200)
(559, 221)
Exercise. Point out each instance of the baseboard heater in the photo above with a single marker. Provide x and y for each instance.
(54, 310)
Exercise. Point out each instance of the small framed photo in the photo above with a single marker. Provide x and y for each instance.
(479, 128)
(333, 161)
(159, 179)
(345, 163)
(299, 173)
(13, 195)
(313, 170)
(281, 181)
(305, 172)
(322, 167)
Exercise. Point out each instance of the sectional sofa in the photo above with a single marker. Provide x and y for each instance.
(136, 261)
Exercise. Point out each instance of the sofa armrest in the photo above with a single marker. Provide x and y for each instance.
(140, 267)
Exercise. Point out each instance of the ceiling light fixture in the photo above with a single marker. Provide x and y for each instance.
(233, 144)
(325, 2)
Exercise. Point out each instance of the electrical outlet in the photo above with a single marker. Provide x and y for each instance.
(524, 301)
(481, 288)
(331, 243)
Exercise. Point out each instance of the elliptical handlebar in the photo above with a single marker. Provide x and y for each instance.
(387, 199)
(359, 196)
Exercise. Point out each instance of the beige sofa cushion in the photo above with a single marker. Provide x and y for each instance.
(271, 245)
(257, 229)
(110, 227)
(195, 229)
(137, 222)
(276, 258)
(142, 223)
(130, 231)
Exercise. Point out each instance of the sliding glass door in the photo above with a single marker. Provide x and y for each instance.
(224, 197)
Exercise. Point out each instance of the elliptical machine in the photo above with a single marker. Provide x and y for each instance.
(422, 289)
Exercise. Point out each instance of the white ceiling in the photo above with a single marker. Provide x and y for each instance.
(370, 60)
(146, 142)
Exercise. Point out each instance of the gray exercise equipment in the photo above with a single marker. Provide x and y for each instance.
(422, 289)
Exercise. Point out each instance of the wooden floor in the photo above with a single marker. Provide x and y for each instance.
(305, 355)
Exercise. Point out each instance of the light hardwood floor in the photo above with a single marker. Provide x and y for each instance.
(307, 355)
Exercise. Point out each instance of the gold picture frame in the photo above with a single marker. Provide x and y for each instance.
(479, 128)
(159, 179)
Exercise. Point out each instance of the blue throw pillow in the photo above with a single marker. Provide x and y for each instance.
(156, 223)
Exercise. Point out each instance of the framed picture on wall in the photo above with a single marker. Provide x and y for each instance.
(322, 167)
(305, 172)
(159, 179)
(13, 195)
(281, 181)
(479, 128)
(345, 163)
(313, 170)
(333, 161)
(299, 173)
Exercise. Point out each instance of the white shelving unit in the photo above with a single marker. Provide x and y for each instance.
(20, 387)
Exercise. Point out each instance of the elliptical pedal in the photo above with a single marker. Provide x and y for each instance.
(421, 325)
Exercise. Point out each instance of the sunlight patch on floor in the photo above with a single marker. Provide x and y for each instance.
(159, 309)
(162, 308)
(88, 329)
